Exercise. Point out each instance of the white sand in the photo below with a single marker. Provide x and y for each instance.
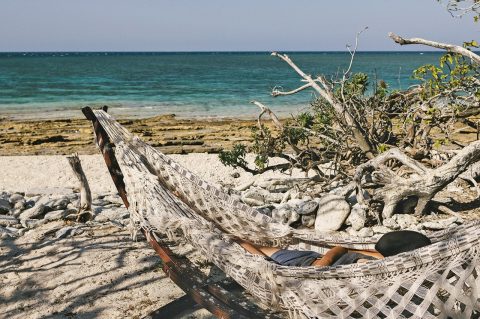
(52, 173)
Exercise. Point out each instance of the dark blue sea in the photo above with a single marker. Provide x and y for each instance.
(200, 84)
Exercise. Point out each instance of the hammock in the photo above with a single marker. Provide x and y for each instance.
(437, 281)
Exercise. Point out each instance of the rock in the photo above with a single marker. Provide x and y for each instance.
(308, 220)
(56, 214)
(302, 206)
(5, 233)
(405, 220)
(244, 186)
(68, 232)
(36, 211)
(63, 232)
(391, 222)
(266, 210)
(357, 217)
(100, 202)
(32, 200)
(255, 196)
(59, 204)
(381, 229)
(8, 220)
(4, 206)
(20, 205)
(235, 175)
(253, 201)
(284, 214)
(32, 223)
(273, 197)
(114, 199)
(440, 224)
(115, 213)
(16, 212)
(332, 212)
(15, 198)
(365, 232)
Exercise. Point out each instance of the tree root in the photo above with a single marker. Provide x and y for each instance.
(422, 185)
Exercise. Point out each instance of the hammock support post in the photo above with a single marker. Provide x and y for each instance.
(181, 271)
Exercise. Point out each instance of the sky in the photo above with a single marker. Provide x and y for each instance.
(223, 25)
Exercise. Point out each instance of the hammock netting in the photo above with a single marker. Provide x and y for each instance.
(437, 281)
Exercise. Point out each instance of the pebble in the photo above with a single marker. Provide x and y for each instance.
(308, 220)
(36, 211)
(5, 233)
(255, 196)
(357, 217)
(20, 205)
(406, 220)
(284, 214)
(108, 214)
(56, 214)
(441, 224)
(4, 206)
(32, 223)
(365, 232)
(8, 220)
(15, 198)
(332, 212)
(303, 207)
(379, 229)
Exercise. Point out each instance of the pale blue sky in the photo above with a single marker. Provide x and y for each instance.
(222, 25)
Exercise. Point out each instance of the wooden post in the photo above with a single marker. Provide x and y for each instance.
(85, 205)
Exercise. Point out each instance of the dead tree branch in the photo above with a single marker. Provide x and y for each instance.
(445, 46)
(272, 115)
(422, 186)
(276, 92)
(320, 85)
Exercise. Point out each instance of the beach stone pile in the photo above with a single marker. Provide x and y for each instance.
(329, 212)
(21, 212)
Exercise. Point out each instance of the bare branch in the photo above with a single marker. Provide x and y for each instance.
(352, 53)
(324, 89)
(272, 115)
(445, 46)
(276, 92)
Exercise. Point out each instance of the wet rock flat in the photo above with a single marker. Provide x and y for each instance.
(166, 132)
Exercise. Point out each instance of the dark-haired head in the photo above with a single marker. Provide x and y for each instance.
(401, 241)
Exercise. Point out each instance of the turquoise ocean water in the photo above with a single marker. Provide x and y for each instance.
(209, 84)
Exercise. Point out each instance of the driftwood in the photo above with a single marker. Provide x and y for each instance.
(85, 203)
(422, 185)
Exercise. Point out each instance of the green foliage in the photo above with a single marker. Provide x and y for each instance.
(454, 76)
(265, 145)
(235, 157)
(356, 85)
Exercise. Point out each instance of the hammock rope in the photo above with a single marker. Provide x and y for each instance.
(436, 281)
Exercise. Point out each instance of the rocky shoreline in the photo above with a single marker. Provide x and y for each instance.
(170, 134)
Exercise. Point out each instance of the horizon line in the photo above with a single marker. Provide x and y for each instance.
(230, 51)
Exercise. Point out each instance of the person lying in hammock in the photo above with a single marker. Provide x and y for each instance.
(388, 245)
